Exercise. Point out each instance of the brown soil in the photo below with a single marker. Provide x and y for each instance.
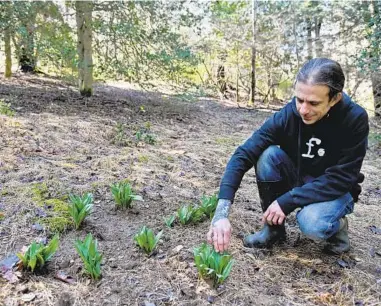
(58, 138)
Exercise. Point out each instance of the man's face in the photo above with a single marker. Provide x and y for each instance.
(312, 101)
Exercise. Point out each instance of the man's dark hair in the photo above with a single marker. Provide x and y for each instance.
(322, 71)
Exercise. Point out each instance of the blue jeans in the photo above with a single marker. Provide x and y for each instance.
(318, 221)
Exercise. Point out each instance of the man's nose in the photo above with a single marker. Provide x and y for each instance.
(304, 109)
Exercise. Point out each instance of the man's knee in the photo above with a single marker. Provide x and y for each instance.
(314, 226)
(268, 160)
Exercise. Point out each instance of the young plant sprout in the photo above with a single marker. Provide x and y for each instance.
(211, 264)
(169, 220)
(37, 254)
(88, 251)
(147, 240)
(187, 214)
(80, 207)
(123, 195)
(209, 205)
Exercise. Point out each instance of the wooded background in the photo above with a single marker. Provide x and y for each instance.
(247, 51)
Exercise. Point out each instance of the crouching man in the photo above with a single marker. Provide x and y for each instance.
(308, 157)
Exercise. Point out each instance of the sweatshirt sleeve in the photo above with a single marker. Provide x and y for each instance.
(336, 180)
(246, 155)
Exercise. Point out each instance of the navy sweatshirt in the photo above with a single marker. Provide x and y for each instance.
(339, 145)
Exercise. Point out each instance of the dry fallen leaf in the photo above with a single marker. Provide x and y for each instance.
(176, 250)
(8, 263)
(28, 297)
(375, 230)
(61, 275)
(326, 298)
(11, 277)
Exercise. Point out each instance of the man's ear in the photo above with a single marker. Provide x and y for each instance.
(336, 99)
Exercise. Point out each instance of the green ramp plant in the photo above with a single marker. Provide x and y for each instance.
(5, 109)
(37, 254)
(147, 240)
(211, 264)
(187, 214)
(88, 251)
(169, 220)
(123, 195)
(80, 207)
(209, 205)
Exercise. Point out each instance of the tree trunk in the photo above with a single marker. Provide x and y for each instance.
(8, 53)
(318, 42)
(295, 35)
(27, 58)
(376, 75)
(84, 46)
(309, 39)
(268, 84)
(253, 52)
(237, 78)
(221, 80)
(376, 87)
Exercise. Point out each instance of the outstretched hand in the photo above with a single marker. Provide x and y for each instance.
(274, 215)
(219, 235)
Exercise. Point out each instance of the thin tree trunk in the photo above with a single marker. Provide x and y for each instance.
(221, 81)
(84, 46)
(376, 86)
(295, 36)
(268, 85)
(318, 42)
(237, 78)
(8, 53)
(27, 58)
(253, 52)
(376, 75)
(309, 39)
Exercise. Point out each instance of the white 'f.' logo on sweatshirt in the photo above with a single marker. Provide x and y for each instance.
(310, 144)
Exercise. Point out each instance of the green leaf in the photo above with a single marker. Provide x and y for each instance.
(169, 221)
(137, 198)
(51, 248)
(123, 194)
(32, 262)
(88, 251)
(146, 239)
(80, 207)
(212, 264)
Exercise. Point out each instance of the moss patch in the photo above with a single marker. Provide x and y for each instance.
(58, 218)
(225, 141)
(39, 193)
(143, 159)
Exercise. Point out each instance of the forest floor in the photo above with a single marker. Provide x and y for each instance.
(59, 143)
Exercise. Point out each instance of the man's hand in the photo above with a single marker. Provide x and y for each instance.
(274, 215)
(219, 235)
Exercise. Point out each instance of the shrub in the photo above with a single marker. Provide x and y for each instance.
(120, 137)
(144, 134)
(5, 109)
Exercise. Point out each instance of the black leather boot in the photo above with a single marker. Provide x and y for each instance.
(339, 243)
(269, 234)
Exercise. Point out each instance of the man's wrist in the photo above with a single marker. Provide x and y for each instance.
(222, 210)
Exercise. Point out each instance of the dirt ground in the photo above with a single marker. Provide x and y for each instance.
(59, 143)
